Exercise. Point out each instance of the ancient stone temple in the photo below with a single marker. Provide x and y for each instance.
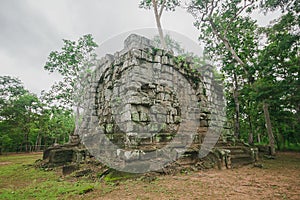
(145, 109)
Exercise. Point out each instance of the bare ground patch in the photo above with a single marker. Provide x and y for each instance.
(5, 163)
(278, 179)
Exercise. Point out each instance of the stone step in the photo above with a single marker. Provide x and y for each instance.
(235, 163)
(239, 156)
(241, 159)
(235, 149)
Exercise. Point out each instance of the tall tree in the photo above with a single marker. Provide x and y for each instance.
(228, 37)
(260, 71)
(74, 62)
(75, 59)
(159, 6)
(61, 125)
(10, 89)
(281, 61)
(171, 44)
(18, 115)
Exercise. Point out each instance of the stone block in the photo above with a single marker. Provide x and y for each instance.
(135, 100)
(61, 156)
(138, 95)
(144, 117)
(135, 116)
(165, 60)
(157, 59)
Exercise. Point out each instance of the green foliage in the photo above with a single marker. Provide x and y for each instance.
(19, 112)
(159, 6)
(169, 5)
(284, 5)
(61, 125)
(26, 123)
(74, 63)
(280, 83)
(254, 70)
(10, 87)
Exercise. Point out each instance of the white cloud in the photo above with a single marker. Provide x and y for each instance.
(31, 29)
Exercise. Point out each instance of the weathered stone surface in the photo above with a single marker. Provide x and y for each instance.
(144, 95)
(61, 156)
(141, 97)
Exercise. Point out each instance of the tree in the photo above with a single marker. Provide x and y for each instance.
(75, 60)
(170, 43)
(60, 125)
(228, 37)
(26, 124)
(10, 89)
(159, 6)
(18, 114)
(264, 75)
(284, 5)
(281, 58)
(26, 111)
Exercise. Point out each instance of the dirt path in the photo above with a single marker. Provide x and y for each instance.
(5, 163)
(278, 179)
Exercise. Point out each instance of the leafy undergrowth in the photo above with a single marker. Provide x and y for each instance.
(274, 179)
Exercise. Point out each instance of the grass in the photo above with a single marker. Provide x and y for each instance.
(114, 176)
(20, 180)
(51, 189)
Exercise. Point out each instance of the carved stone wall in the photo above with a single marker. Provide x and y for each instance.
(144, 98)
(144, 108)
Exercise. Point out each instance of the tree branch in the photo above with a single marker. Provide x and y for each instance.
(160, 31)
(162, 8)
(238, 13)
(227, 44)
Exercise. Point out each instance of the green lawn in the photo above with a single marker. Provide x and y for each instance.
(20, 180)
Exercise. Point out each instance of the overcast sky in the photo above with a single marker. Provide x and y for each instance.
(31, 29)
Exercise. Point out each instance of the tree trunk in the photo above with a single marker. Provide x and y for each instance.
(250, 136)
(45, 141)
(269, 128)
(76, 130)
(227, 44)
(26, 142)
(158, 24)
(38, 142)
(278, 140)
(237, 108)
(258, 138)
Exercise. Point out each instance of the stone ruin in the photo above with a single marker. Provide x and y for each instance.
(146, 109)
